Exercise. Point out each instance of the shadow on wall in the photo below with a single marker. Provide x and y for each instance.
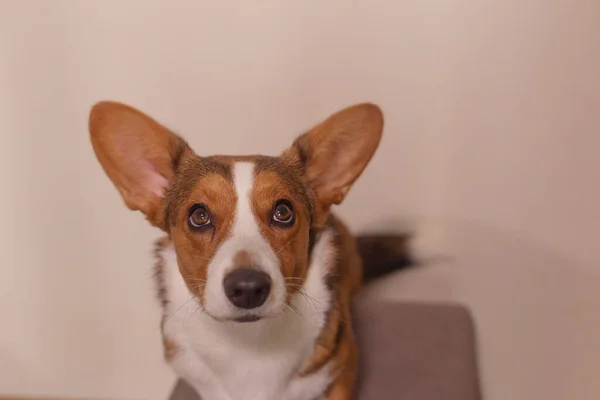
(535, 308)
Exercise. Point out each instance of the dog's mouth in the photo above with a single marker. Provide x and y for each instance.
(241, 319)
(247, 318)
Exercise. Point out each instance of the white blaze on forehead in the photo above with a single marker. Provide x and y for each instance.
(245, 236)
(245, 225)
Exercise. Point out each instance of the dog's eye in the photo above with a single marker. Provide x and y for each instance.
(198, 216)
(283, 213)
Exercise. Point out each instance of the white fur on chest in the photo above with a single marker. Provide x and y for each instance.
(259, 360)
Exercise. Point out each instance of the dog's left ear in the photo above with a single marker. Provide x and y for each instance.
(335, 153)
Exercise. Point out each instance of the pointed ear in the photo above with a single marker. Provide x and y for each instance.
(335, 153)
(139, 155)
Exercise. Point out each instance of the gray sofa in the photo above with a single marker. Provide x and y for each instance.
(409, 351)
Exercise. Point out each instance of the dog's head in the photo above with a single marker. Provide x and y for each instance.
(240, 225)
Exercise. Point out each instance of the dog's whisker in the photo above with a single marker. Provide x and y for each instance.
(194, 296)
(180, 307)
(294, 309)
(193, 278)
(287, 243)
(293, 278)
(310, 300)
(193, 312)
(293, 285)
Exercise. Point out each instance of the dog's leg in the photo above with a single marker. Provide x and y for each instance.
(343, 387)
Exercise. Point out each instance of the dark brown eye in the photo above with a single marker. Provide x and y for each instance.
(198, 217)
(283, 213)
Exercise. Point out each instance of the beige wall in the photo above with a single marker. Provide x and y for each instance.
(490, 151)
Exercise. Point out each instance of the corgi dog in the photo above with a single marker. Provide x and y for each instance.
(254, 274)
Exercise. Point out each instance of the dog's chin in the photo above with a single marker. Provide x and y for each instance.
(247, 318)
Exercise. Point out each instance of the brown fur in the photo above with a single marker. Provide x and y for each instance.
(336, 342)
(289, 244)
(159, 269)
(195, 249)
(158, 174)
(243, 259)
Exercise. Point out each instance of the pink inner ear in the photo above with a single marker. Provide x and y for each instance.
(157, 184)
(153, 181)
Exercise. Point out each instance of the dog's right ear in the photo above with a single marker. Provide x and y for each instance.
(139, 155)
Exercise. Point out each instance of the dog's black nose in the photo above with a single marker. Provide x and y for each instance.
(247, 288)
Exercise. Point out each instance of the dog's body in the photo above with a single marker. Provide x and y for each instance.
(255, 275)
